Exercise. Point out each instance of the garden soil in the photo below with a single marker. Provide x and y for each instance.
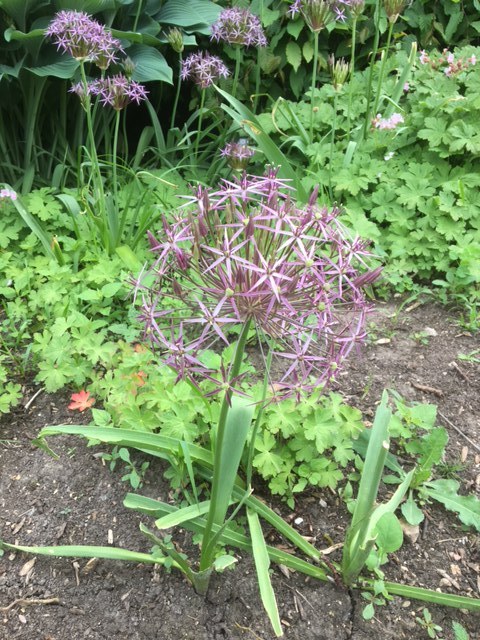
(77, 500)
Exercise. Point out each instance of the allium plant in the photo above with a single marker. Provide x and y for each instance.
(85, 39)
(246, 254)
(240, 28)
(238, 154)
(88, 41)
(318, 14)
(246, 257)
(204, 69)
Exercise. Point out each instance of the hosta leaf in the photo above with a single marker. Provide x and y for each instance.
(149, 64)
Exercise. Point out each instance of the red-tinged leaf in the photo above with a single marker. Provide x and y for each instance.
(81, 401)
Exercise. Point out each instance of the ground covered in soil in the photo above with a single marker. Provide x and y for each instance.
(77, 500)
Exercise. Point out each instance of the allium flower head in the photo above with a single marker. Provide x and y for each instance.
(239, 26)
(118, 91)
(203, 69)
(246, 253)
(318, 14)
(238, 154)
(76, 33)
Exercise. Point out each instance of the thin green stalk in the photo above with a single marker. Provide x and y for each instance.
(238, 61)
(352, 70)
(332, 143)
(257, 66)
(207, 555)
(314, 80)
(382, 68)
(177, 94)
(200, 122)
(370, 74)
(115, 241)
(98, 182)
(258, 420)
(137, 15)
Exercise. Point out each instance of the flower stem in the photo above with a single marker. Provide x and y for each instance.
(314, 79)
(177, 94)
(207, 556)
(352, 70)
(332, 144)
(238, 60)
(200, 122)
(382, 68)
(99, 193)
(370, 74)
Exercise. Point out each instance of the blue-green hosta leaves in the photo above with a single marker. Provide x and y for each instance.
(149, 64)
(89, 6)
(189, 13)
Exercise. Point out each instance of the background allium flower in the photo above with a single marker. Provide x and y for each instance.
(239, 26)
(387, 123)
(246, 253)
(203, 69)
(238, 154)
(76, 33)
(318, 14)
(118, 91)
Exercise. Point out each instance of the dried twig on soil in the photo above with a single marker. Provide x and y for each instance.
(459, 431)
(423, 387)
(24, 602)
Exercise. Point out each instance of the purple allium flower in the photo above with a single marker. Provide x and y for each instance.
(118, 91)
(76, 33)
(238, 154)
(387, 123)
(8, 193)
(203, 69)
(318, 14)
(239, 26)
(247, 253)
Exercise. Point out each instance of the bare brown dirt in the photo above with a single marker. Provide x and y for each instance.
(77, 500)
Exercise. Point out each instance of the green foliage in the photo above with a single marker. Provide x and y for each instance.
(10, 392)
(413, 190)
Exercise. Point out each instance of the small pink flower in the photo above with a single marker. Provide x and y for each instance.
(387, 123)
(8, 193)
(424, 57)
(406, 87)
(81, 401)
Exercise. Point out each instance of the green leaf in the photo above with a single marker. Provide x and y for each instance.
(412, 514)
(83, 551)
(247, 120)
(150, 64)
(222, 562)
(65, 68)
(389, 533)
(188, 13)
(446, 492)
(182, 515)
(262, 565)
(293, 54)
